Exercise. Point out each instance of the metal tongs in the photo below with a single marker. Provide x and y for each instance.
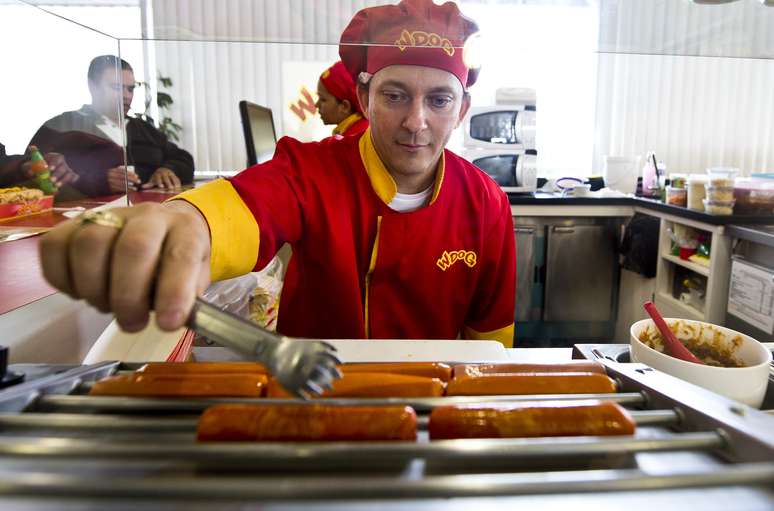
(304, 367)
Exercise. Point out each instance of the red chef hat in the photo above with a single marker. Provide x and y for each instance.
(339, 82)
(413, 32)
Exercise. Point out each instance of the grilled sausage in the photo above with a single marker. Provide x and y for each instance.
(306, 423)
(530, 420)
(427, 369)
(535, 383)
(572, 366)
(161, 385)
(374, 385)
(202, 368)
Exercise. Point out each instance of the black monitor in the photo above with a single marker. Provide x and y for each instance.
(258, 127)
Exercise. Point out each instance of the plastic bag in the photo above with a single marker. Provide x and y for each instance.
(683, 236)
(264, 303)
(232, 295)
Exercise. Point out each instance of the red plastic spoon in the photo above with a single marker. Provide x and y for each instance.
(673, 346)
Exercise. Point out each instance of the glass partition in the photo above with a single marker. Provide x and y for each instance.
(610, 77)
(49, 102)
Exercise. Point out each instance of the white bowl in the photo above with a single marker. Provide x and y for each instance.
(745, 384)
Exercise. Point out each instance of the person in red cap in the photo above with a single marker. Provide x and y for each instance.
(393, 236)
(337, 101)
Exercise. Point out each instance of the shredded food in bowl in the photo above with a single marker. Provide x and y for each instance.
(707, 343)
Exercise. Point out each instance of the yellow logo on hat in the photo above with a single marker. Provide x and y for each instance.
(420, 38)
(449, 258)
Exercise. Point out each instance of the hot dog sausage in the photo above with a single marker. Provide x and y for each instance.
(530, 420)
(374, 385)
(535, 383)
(307, 423)
(159, 385)
(202, 368)
(572, 366)
(427, 369)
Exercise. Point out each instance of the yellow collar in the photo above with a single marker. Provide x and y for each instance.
(344, 125)
(381, 180)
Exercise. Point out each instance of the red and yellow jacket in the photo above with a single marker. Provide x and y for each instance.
(360, 269)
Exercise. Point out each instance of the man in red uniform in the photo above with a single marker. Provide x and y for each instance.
(393, 236)
(337, 101)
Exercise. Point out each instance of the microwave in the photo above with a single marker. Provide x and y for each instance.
(513, 171)
(500, 127)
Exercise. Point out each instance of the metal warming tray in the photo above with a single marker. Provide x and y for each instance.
(692, 448)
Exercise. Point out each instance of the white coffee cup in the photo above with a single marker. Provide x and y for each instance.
(583, 190)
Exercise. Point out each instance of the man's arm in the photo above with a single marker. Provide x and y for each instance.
(164, 255)
(175, 159)
(159, 260)
(253, 214)
(492, 311)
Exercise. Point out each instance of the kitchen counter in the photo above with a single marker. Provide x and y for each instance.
(615, 206)
(760, 234)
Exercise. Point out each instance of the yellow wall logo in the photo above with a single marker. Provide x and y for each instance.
(419, 38)
(449, 258)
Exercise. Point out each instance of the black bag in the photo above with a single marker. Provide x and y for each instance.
(639, 247)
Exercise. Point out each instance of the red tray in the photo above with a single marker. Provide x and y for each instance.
(41, 205)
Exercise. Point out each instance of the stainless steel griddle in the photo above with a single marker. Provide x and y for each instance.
(693, 449)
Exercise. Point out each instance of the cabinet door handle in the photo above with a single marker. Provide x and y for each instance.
(567, 230)
(524, 230)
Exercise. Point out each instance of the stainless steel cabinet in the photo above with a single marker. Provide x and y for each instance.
(579, 274)
(529, 238)
(567, 279)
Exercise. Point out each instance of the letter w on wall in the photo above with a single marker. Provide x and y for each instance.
(304, 104)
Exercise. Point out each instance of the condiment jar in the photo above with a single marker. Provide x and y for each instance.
(696, 191)
(676, 196)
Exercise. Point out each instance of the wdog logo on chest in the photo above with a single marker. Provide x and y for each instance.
(447, 259)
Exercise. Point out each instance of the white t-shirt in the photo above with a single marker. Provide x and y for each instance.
(111, 129)
(405, 202)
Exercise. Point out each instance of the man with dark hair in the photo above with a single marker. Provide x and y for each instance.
(91, 138)
(393, 236)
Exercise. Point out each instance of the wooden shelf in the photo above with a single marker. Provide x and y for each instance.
(683, 309)
(695, 267)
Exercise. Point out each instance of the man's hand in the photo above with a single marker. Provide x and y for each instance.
(163, 178)
(61, 173)
(159, 260)
(118, 178)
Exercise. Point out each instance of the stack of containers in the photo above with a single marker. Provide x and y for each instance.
(719, 191)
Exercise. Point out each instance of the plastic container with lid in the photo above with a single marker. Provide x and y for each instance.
(677, 180)
(696, 193)
(718, 208)
(722, 177)
(676, 196)
(719, 193)
(754, 196)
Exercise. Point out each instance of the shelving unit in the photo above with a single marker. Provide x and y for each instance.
(694, 267)
(716, 275)
(683, 309)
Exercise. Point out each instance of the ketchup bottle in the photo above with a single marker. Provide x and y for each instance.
(41, 174)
